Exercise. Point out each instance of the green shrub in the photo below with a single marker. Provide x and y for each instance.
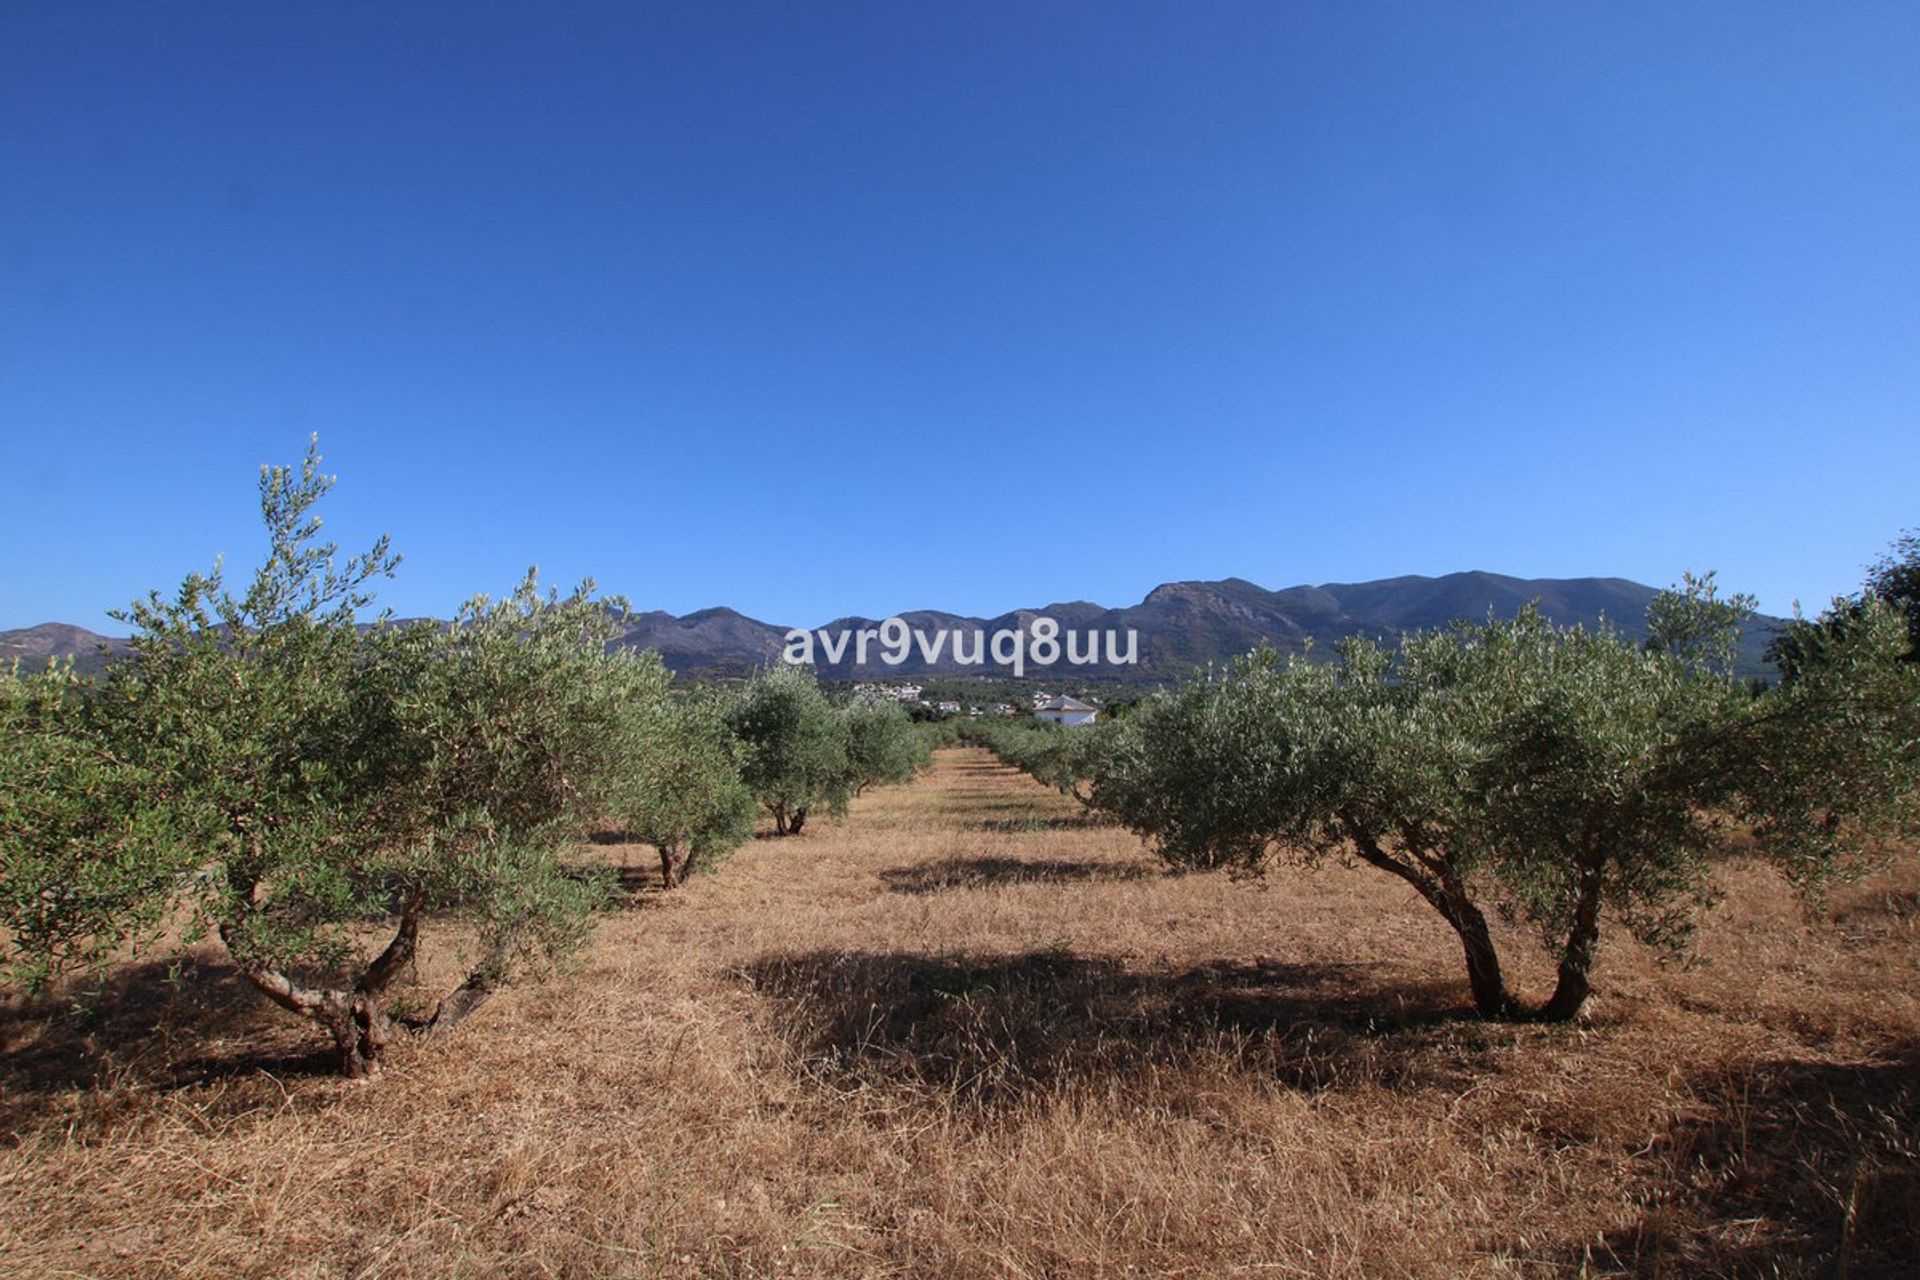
(1555, 772)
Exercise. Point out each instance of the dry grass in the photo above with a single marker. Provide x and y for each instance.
(966, 1033)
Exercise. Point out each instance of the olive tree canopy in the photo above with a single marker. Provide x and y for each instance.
(1559, 773)
(299, 786)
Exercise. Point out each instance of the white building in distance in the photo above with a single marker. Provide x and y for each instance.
(1066, 710)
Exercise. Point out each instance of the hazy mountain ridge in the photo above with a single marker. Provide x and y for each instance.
(32, 647)
(1180, 624)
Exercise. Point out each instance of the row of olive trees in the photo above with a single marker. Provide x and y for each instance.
(684, 794)
(1056, 756)
(1556, 774)
(266, 771)
(779, 744)
(803, 754)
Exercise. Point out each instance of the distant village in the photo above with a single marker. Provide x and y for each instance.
(1059, 708)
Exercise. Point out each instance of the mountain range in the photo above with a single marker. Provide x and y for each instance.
(1180, 625)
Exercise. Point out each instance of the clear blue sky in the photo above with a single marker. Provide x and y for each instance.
(814, 309)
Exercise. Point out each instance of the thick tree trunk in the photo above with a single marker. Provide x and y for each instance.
(1448, 895)
(1489, 985)
(798, 820)
(668, 878)
(487, 977)
(779, 819)
(399, 953)
(361, 1031)
(358, 1019)
(355, 1019)
(1576, 961)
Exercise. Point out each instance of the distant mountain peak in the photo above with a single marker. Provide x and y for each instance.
(1181, 625)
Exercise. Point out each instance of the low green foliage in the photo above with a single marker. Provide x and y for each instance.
(1064, 758)
(681, 791)
(794, 742)
(288, 781)
(803, 754)
(883, 746)
(1828, 763)
(1553, 772)
(86, 863)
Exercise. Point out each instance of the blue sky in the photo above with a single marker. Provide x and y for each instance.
(815, 309)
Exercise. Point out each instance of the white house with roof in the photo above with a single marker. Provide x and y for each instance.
(1066, 710)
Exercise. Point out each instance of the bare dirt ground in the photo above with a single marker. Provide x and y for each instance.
(968, 1033)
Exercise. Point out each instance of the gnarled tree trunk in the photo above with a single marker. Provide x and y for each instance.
(1575, 984)
(1491, 999)
(356, 1018)
(361, 1031)
(1448, 895)
(360, 1027)
(487, 977)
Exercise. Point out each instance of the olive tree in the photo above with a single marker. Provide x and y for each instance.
(1895, 580)
(85, 860)
(883, 747)
(794, 757)
(1829, 764)
(305, 789)
(680, 788)
(1892, 586)
(1063, 757)
(1556, 773)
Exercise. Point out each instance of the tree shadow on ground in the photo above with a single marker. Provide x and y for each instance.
(986, 871)
(1065, 822)
(631, 883)
(1896, 908)
(989, 803)
(636, 884)
(995, 1029)
(160, 1025)
(1788, 1169)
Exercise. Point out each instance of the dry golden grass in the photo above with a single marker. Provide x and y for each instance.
(965, 1033)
